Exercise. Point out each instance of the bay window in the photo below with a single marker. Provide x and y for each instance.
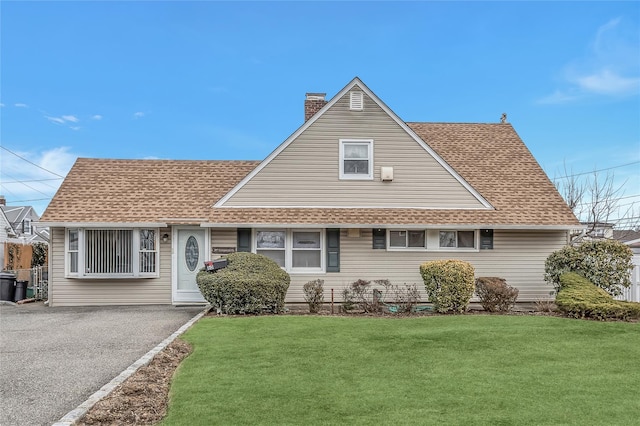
(112, 253)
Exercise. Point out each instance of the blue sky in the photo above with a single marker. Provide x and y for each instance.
(218, 80)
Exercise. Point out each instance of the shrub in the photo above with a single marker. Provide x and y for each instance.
(580, 298)
(449, 284)
(606, 263)
(314, 295)
(360, 295)
(495, 294)
(405, 299)
(250, 284)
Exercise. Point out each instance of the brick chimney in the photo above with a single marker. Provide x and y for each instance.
(3, 201)
(313, 103)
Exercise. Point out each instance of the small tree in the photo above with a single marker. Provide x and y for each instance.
(606, 263)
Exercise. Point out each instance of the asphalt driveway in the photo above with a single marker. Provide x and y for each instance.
(53, 359)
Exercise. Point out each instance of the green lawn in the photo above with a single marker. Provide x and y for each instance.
(472, 369)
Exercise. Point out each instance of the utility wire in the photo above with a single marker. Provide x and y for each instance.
(35, 189)
(31, 162)
(25, 201)
(599, 170)
(30, 180)
(23, 182)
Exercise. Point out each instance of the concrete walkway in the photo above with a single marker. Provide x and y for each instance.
(53, 359)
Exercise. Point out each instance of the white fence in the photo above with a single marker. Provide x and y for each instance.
(632, 294)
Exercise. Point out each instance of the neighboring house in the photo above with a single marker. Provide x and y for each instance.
(631, 238)
(595, 231)
(354, 193)
(19, 225)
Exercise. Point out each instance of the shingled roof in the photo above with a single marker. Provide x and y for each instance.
(490, 157)
(143, 191)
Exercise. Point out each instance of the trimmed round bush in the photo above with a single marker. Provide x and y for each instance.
(250, 284)
(606, 263)
(449, 284)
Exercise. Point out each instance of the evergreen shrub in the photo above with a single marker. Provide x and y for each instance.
(580, 298)
(449, 284)
(250, 284)
(606, 263)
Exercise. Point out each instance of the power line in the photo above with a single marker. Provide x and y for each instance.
(31, 187)
(599, 170)
(30, 162)
(26, 201)
(30, 180)
(23, 182)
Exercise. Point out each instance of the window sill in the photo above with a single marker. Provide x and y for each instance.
(110, 277)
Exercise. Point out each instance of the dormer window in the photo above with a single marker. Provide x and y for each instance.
(356, 102)
(356, 159)
(26, 226)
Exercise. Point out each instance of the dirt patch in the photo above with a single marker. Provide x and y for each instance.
(141, 399)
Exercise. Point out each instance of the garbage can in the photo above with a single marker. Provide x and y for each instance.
(21, 290)
(7, 286)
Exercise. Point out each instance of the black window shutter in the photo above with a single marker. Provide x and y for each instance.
(380, 239)
(486, 239)
(333, 250)
(244, 239)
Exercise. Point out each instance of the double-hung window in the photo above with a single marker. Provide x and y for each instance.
(457, 239)
(356, 159)
(407, 239)
(112, 253)
(294, 250)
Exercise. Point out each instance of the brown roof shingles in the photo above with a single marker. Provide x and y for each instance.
(490, 157)
(100, 190)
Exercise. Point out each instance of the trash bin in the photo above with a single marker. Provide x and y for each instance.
(7, 286)
(21, 290)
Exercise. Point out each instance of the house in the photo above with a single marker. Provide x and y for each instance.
(354, 193)
(19, 225)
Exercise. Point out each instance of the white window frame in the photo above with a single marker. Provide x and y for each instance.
(288, 248)
(26, 226)
(135, 255)
(406, 246)
(353, 176)
(476, 240)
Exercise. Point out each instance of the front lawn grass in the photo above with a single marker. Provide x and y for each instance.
(472, 369)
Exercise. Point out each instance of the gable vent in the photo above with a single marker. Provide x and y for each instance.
(357, 101)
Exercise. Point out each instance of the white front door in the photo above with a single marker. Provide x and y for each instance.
(191, 248)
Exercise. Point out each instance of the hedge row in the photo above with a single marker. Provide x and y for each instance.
(580, 298)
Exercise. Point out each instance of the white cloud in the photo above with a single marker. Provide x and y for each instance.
(25, 181)
(56, 120)
(71, 118)
(609, 69)
(1, 105)
(75, 127)
(138, 114)
(608, 82)
(96, 117)
(20, 105)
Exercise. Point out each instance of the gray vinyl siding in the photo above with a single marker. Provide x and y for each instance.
(81, 292)
(518, 256)
(306, 172)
